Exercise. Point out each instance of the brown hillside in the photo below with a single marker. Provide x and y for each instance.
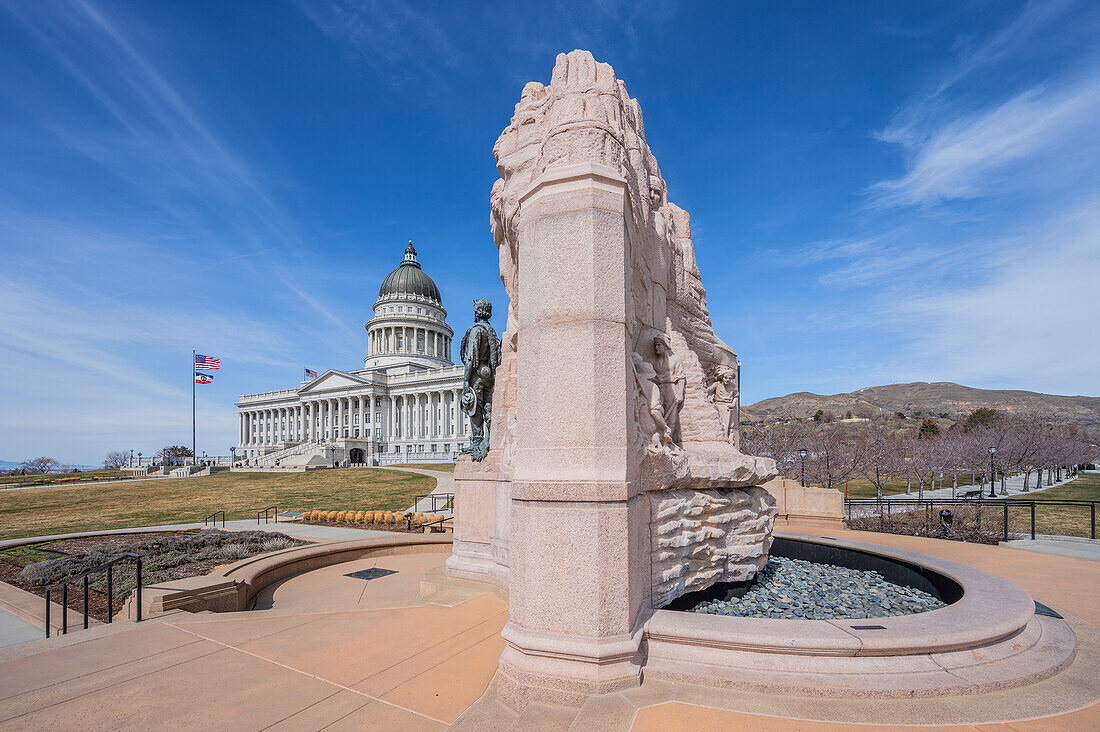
(939, 397)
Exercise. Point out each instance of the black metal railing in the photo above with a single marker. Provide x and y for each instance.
(872, 507)
(439, 501)
(212, 519)
(267, 513)
(64, 587)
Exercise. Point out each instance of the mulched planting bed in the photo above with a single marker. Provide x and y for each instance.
(166, 555)
(394, 528)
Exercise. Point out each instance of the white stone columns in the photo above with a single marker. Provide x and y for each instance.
(394, 416)
(456, 419)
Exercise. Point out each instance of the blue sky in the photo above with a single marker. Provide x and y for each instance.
(880, 192)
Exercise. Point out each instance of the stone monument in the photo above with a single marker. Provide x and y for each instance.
(480, 352)
(614, 483)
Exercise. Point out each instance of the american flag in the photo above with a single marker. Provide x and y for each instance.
(207, 363)
(311, 374)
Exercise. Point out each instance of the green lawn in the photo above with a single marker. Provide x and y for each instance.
(1059, 520)
(864, 488)
(63, 509)
(441, 467)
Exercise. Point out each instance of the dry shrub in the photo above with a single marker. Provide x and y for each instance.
(420, 519)
(361, 517)
(371, 516)
(975, 523)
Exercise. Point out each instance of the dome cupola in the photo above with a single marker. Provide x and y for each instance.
(409, 327)
(410, 281)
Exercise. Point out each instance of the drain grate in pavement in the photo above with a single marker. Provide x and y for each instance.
(372, 573)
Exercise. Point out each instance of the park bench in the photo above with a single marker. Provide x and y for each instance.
(972, 494)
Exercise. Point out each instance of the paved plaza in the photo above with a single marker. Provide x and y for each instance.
(385, 643)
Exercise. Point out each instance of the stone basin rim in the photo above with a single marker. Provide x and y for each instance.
(991, 609)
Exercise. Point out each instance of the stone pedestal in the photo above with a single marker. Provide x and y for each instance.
(480, 529)
(577, 594)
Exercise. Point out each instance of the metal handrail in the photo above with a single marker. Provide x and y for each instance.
(212, 519)
(448, 501)
(267, 512)
(988, 502)
(64, 586)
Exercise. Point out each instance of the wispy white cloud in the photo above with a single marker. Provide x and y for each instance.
(978, 262)
(1031, 319)
(391, 37)
(975, 155)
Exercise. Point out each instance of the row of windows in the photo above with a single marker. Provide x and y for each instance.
(401, 309)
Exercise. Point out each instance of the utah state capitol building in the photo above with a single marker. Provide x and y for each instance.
(402, 406)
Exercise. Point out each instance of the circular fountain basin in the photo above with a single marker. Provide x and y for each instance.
(986, 636)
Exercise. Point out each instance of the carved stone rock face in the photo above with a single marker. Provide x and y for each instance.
(681, 437)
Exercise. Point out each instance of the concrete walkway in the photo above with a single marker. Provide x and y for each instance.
(15, 630)
(309, 532)
(444, 483)
(364, 645)
(1062, 546)
(1013, 483)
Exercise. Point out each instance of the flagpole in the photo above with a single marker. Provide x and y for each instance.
(194, 444)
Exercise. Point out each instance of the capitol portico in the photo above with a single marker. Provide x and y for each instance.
(403, 405)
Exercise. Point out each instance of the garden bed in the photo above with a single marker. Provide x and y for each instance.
(166, 555)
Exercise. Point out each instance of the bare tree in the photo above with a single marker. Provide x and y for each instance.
(39, 465)
(780, 442)
(116, 459)
(880, 457)
(834, 455)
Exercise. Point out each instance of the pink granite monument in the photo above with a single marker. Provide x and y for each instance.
(613, 483)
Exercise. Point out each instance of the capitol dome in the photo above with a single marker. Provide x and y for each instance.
(409, 327)
(409, 281)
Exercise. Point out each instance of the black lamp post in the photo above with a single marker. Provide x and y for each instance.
(131, 457)
(139, 459)
(232, 455)
(992, 494)
(802, 457)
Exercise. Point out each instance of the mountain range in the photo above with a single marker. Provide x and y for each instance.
(940, 398)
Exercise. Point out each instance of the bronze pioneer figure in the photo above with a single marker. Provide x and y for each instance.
(480, 352)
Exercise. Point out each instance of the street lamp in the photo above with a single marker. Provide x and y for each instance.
(232, 455)
(802, 457)
(131, 457)
(991, 493)
(738, 385)
(139, 459)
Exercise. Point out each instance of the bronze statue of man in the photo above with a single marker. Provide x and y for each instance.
(480, 352)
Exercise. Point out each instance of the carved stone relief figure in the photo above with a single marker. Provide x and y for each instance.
(671, 379)
(480, 352)
(651, 415)
(723, 392)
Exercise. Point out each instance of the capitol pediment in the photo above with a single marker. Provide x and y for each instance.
(332, 380)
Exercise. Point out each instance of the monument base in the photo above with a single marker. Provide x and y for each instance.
(565, 670)
(481, 535)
